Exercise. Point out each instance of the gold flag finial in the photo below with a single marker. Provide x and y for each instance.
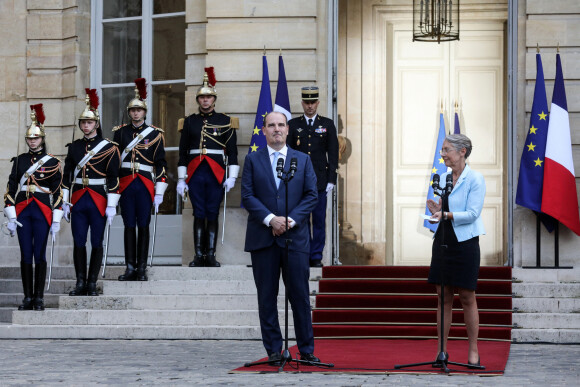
(558, 48)
(538, 48)
(264, 50)
(441, 105)
(456, 106)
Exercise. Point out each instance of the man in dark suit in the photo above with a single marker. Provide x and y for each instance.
(316, 136)
(263, 196)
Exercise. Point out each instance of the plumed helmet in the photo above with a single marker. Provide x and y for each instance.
(92, 104)
(209, 81)
(140, 95)
(36, 129)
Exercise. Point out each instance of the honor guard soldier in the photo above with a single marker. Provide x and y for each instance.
(91, 182)
(316, 136)
(208, 165)
(33, 206)
(142, 181)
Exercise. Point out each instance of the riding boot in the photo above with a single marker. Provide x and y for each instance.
(211, 243)
(198, 241)
(39, 281)
(142, 252)
(26, 273)
(130, 255)
(80, 261)
(94, 268)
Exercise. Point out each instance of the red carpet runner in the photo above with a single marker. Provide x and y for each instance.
(358, 307)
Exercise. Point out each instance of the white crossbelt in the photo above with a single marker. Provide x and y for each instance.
(79, 180)
(33, 188)
(205, 151)
(137, 166)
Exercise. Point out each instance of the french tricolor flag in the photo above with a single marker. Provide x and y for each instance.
(559, 197)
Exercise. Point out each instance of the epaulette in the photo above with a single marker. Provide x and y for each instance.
(156, 128)
(180, 124)
(118, 127)
(54, 157)
(234, 122)
(112, 142)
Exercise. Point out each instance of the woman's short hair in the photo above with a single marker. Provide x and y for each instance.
(459, 141)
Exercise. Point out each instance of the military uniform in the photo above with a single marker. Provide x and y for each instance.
(320, 142)
(208, 145)
(33, 198)
(90, 187)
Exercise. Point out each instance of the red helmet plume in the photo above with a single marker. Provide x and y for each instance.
(210, 76)
(141, 84)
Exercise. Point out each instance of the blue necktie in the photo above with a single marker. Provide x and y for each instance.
(274, 164)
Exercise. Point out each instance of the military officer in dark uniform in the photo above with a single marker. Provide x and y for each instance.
(90, 193)
(142, 181)
(316, 136)
(208, 146)
(33, 206)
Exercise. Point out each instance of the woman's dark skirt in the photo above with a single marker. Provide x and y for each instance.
(459, 263)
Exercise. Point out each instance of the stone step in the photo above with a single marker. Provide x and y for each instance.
(6, 314)
(14, 299)
(133, 332)
(546, 275)
(201, 287)
(546, 305)
(547, 320)
(546, 290)
(56, 286)
(548, 335)
(141, 317)
(167, 302)
(59, 272)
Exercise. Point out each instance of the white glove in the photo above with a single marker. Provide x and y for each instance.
(229, 183)
(110, 212)
(182, 187)
(329, 188)
(11, 226)
(66, 211)
(157, 200)
(54, 229)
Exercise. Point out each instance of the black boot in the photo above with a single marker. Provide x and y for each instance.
(94, 268)
(130, 255)
(80, 261)
(142, 253)
(26, 273)
(39, 281)
(211, 243)
(198, 241)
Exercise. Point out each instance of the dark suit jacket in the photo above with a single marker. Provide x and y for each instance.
(320, 143)
(261, 198)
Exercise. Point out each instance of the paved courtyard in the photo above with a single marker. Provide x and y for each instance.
(205, 362)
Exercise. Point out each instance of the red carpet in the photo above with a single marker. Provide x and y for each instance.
(380, 356)
(394, 302)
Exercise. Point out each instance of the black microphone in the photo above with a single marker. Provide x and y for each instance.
(293, 166)
(435, 183)
(449, 184)
(280, 167)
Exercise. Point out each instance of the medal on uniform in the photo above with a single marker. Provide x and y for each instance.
(298, 142)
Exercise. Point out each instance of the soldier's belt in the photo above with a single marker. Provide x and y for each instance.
(85, 182)
(33, 188)
(205, 151)
(137, 166)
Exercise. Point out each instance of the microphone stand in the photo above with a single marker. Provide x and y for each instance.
(286, 176)
(442, 358)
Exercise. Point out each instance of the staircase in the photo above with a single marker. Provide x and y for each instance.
(176, 303)
(546, 305)
(397, 302)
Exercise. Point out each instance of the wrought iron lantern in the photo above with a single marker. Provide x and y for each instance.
(435, 20)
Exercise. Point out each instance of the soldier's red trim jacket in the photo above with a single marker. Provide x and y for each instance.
(206, 134)
(99, 176)
(43, 186)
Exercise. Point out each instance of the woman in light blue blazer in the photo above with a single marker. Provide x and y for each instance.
(458, 266)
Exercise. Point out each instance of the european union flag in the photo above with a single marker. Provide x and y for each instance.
(258, 140)
(531, 177)
(438, 168)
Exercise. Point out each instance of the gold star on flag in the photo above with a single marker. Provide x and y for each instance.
(542, 116)
(531, 147)
(441, 161)
(254, 147)
(256, 130)
(533, 129)
(538, 162)
(434, 170)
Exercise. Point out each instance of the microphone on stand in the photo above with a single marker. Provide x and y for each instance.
(435, 183)
(293, 166)
(280, 167)
(449, 184)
